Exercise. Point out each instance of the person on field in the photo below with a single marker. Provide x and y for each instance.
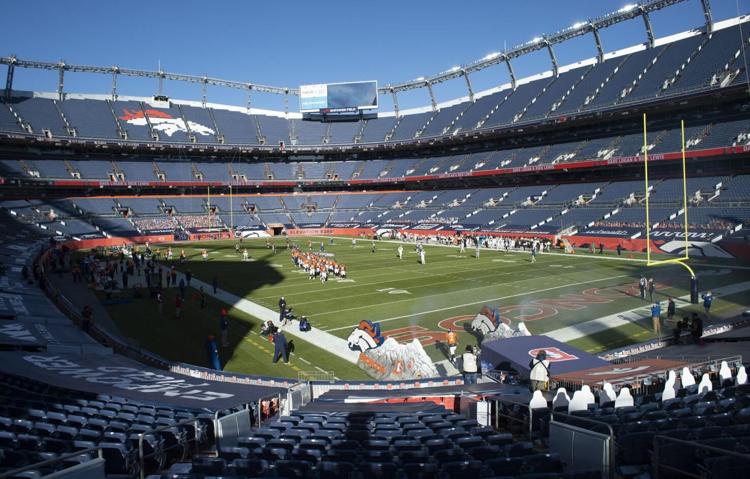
(469, 366)
(213, 353)
(245, 255)
(656, 317)
(533, 255)
(422, 259)
(651, 289)
(373, 247)
(304, 324)
(400, 251)
(451, 338)
(462, 245)
(642, 286)
(708, 300)
(539, 374)
(280, 347)
(696, 328)
(282, 308)
(671, 308)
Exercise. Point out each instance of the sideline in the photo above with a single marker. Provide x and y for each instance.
(580, 330)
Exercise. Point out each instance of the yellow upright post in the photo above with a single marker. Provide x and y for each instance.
(684, 187)
(208, 203)
(645, 168)
(231, 210)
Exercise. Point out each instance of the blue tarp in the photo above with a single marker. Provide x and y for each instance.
(515, 353)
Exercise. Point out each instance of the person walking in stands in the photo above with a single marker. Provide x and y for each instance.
(280, 347)
(224, 327)
(656, 318)
(642, 286)
(202, 298)
(539, 374)
(188, 276)
(177, 306)
(651, 289)
(452, 339)
(708, 300)
(182, 288)
(469, 365)
(215, 283)
(124, 280)
(671, 307)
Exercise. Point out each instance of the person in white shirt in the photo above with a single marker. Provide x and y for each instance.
(400, 251)
(469, 366)
(421, 257)
(539, 374)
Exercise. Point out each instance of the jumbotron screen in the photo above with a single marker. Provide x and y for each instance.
(338, 97)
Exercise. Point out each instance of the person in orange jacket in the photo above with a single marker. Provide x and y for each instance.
(452, 339)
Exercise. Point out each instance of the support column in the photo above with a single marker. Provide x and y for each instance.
(468, 85)
(61, 81)
(649, 29)
(432, 96)
(9, 80)
(114, 85)
(708, 16)
(395, 101)
(553, 58)
(511, 73)
(598, 41)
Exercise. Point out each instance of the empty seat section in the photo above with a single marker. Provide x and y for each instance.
(626, 74)
(654, 79)
(477, 112)
(409, 125)
(308, 132)
(515, 103)
(132, 119)
(723, 47)
(343, 132)
(90, 118)
(41, 114)
(274, 129)
(442, 120)
(554, 93)
(237, 127)
(377, 128)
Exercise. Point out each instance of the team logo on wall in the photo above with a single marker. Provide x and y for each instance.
(164, 122)
(554, 355)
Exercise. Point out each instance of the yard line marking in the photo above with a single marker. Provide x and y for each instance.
(448, 308)
(474, 287)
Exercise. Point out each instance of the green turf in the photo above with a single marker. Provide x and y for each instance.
(412, 298)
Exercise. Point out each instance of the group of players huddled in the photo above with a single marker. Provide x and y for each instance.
(317, 265)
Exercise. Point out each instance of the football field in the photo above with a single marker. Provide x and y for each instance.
(560, 295)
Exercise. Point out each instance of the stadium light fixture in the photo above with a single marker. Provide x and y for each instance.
(491, 56)
(536, 39)
(627, 8)
(578, 25)
(454, 69)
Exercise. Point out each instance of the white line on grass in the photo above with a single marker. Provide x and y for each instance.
(473, 288)
(448, 308)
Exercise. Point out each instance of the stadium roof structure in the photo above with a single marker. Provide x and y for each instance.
(544, 42)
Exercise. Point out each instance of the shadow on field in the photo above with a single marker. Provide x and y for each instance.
(184, 338)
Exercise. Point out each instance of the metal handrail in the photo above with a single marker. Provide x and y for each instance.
(47, 462)
(598, 423)
(655, 456)
(196, 424)
(528, 425)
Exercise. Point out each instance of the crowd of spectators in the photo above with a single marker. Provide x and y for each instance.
(199, 221)
(153, 223)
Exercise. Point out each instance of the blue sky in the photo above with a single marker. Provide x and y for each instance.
(295, 42)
